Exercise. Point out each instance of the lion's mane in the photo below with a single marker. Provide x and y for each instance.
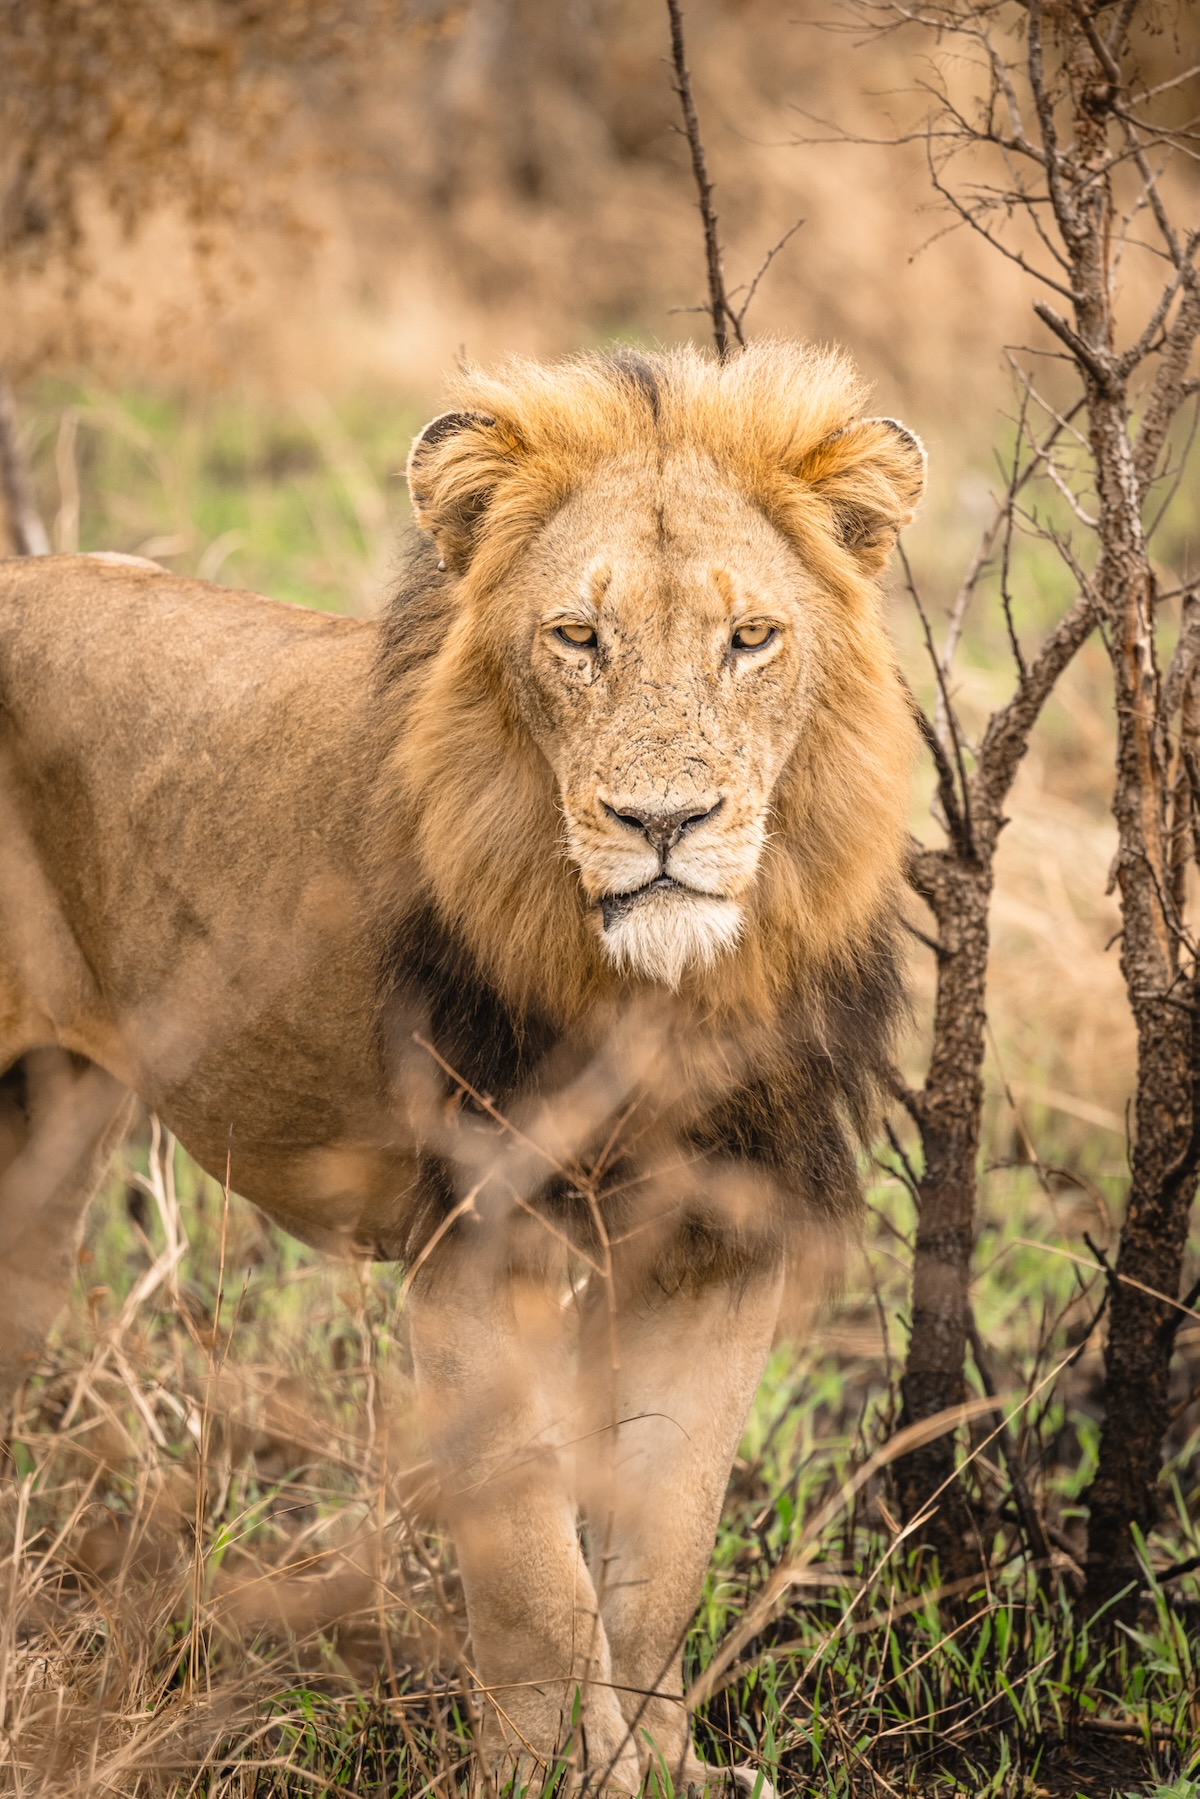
(491, 931)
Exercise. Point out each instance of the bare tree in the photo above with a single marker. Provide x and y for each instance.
(956, 882)
(727, 320)
(1049, 138)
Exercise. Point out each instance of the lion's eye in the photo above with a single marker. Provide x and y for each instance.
(753, 637)
(580, 637)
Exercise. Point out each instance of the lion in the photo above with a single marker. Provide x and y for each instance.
(541, 934)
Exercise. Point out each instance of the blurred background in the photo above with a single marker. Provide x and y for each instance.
(337, 193)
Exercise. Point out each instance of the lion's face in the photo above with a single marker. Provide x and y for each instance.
(658, 726)
(666, 669)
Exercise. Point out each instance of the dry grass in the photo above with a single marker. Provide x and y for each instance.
(216, 1499)
(222, 1573)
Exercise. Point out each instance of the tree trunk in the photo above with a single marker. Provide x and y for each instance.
(1153, 1237)
(956, 882)
(947, 1112)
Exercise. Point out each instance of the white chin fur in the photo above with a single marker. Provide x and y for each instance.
(663, 935)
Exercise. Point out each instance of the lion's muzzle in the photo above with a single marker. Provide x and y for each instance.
(666, 880)
(662, 829)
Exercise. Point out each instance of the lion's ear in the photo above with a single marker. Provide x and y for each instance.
(873, 475)
(453, 467)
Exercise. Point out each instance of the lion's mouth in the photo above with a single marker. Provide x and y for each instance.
(615, 906)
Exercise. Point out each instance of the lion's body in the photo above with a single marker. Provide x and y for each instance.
(333, 897)
(186, 772)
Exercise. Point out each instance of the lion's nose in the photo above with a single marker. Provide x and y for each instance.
(662, 830)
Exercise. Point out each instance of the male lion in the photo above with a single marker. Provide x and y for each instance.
(539, 933)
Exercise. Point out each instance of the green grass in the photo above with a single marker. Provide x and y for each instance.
(302, 502)
(188, 1467)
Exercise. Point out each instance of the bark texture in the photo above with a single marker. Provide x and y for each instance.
(1159, 970)
(947, 1111)
(956, 883)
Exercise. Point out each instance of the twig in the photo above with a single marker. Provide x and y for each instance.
(957, 804)
(1097, 366)
(1009, 727)
(1002, 513)
(1110, 1273)
(1006, 549)
(739, 318)
(1032, 1527)
(1064, 210)
(718, 302)
(1170, 384)
(910, 1176)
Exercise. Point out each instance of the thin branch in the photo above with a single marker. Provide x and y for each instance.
(910, 1176)
(1150, 182)
(1008, 728)
(958, 805)
(1098, 365)
(739, 317)
(947, 792)
(1153, 335)
(1032, 1526)
(1005, 554)
(969, 218)
(1064, 210)
(987, 540)
(1174, 480)
(1104, 55)
(1068, 493)
(962, 600)
(1116, 37)
(1170, 383)
(931, 943)
(1003, 80)
(718, 302)
(1163, 87)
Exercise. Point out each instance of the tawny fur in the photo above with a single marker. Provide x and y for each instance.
(332, 896)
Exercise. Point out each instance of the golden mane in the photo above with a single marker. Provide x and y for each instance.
(465, 785)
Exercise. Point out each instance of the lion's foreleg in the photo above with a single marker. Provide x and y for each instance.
(59, 1125)
(671, 1378)
(492, 1355)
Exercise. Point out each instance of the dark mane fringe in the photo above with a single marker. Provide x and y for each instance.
(814, 1103)
(798, 1116)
